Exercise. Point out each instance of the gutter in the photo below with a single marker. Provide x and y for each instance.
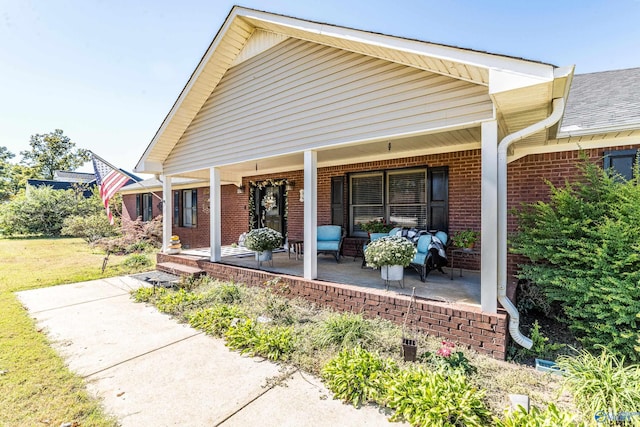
(514, 316)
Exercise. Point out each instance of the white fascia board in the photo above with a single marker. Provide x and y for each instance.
(447, 53)
(507, 80)
(147, 166)
(190, 83)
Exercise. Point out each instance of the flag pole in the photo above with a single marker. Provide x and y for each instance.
(120, 171)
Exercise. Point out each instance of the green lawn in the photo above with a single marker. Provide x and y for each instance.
(36, 388)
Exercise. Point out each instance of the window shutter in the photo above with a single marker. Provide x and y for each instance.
(176, 208)
(138, 212)
(337, 200)
(620, 162)
(438, 198)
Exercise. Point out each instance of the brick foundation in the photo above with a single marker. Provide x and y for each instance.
(466, 325)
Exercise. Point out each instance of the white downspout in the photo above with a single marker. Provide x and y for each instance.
(514, 316)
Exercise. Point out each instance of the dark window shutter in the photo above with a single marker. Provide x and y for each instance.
(194, 208)
(138, 212)
(337, 200)
(620, 162)
(438, 198)
(176, 208)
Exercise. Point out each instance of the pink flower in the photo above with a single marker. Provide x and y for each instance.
(446, 349)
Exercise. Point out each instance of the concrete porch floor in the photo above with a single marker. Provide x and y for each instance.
(438, 287)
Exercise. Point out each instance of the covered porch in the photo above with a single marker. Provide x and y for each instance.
(446, 288)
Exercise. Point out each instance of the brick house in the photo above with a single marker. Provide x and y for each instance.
(339, 125)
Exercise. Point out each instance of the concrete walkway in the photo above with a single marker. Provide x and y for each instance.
(150, 370)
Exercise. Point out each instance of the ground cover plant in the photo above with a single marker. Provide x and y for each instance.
(36, 388)
(360, 359)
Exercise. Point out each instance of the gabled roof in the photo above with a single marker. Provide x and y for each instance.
(232, 45)
(603, 101)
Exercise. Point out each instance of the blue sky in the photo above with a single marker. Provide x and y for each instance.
(108, 71)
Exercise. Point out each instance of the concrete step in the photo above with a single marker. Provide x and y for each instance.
(179, 269)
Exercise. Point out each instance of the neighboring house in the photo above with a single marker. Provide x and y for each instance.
(82, 181)
(357, 125)
(65, 180)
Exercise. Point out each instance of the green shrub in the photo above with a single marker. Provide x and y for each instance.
(357, 376)
(136, 261)
(227, 293)
(175, 302)
(541, 348)
(531, 298)
(274, 343)
(584, 247)
(425, 398)
(345, 330)
(147, 294)
(42, 211)
(550, 417)
(601, 383)
(89, 228)
(215, 320)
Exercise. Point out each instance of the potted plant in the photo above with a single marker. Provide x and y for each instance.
(263, 241)
(391, 254)
(377, 226)
(465, 239)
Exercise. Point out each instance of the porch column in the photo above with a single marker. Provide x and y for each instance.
(167, 212)
(310, 214)
(215, 222)
(489, 218)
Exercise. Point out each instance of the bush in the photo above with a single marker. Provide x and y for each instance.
(274, 343)
(425, 398)
(345, 330)
(137, 236)
(216, 320)
(357, 376)
(42, 211)
(550, 417)
(176, 302)
(89, 228)
(541, 348)
(601, 383)
(137, 262)
(584, 247)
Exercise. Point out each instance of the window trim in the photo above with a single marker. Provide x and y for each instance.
(609, 155)
(385, 196)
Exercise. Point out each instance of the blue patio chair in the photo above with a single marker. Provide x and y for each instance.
(430, 254)
(330, 240)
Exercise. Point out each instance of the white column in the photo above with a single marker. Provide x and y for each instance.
(167, 212)
(489, 218)
(310, 215)
(215, 213)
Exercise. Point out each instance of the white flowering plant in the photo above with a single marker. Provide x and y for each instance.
(389, 250)
(263, 239)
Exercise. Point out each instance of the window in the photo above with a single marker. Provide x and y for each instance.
(185, 208)
(400, 197)
(144, 206)
(189, 208)
(620, 162)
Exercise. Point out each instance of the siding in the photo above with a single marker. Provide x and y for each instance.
(300, 95)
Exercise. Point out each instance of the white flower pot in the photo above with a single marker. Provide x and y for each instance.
(392, 272)
(264, 256)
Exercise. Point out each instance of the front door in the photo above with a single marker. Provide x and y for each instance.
(270, 207)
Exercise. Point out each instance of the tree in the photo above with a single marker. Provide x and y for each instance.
(53, 151)
(6, 172)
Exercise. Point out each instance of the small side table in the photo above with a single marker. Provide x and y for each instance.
(298, 247)
(461, 252)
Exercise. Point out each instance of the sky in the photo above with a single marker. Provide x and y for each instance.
(107, 72)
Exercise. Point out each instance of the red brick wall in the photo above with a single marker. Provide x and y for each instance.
(129, 206)
(463, 324)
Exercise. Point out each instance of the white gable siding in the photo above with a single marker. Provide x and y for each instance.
(300, 95)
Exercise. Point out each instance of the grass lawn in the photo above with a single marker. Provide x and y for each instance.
(36, 388)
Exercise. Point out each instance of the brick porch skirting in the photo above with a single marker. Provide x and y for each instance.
(460, 323)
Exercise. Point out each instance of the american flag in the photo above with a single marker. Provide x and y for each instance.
(110, 181)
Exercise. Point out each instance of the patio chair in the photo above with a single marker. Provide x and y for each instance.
(330, 239)
(431, 254)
